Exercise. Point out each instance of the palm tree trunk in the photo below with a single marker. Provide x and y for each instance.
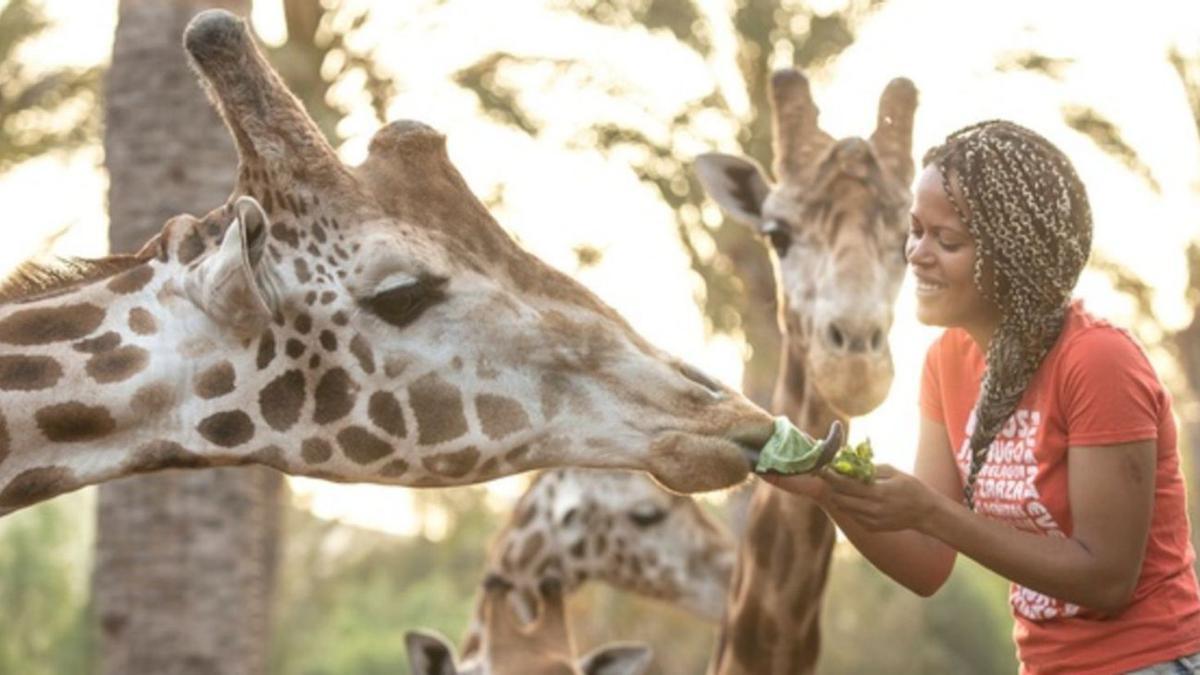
(184, 560)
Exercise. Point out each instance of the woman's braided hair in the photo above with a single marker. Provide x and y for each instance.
(1028, 213)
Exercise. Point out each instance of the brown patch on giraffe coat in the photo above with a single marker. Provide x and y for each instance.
(525, 515)
(339, 318)
(294, 348)
(438, 407)
(271, 455)
(452, 464)
(328, 341)
(362, 446)
(303, 324)
(516, 454)
(35, 485)
(281, 400)
(117, 365)
(191, 247)
(218, 380)
(5, 442)
(101, 343)
(227, 429)
(285, 234)
(315, 450)
(74, 422)
(44, 325)
(500, 416)
(531, 547)
(142, 322)
(385, 411)
(266, 349)
(362, 351)
(302, 273)
(163, 454)
(28, 373)
(394, 468)
(132, 281)
(334, 396)
(152, 399)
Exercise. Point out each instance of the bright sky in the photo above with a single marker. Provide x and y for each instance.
(557, 200)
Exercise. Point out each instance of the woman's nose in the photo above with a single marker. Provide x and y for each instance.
(916, 251)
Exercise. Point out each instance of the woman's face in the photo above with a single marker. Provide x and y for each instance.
(941, 252)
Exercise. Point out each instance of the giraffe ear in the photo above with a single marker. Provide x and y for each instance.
(628, 658)
(235, 285)
(738, 185)
(429, 653)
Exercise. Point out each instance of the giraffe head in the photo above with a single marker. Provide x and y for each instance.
(617, 527)
(368, 323)
(509, 647)
(836, 220)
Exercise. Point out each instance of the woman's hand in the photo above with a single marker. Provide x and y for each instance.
(893, 501)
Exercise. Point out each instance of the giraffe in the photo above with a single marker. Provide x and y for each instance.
(836, 222)
(542, 647)
(619, 527)
(369, 324)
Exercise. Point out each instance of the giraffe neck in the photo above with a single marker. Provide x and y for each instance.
(772, 624)
(91, 381)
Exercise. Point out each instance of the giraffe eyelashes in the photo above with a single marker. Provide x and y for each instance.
(779, 234)
(402, 304)
(645, 515)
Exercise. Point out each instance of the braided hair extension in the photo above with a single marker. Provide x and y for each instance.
(1028, 213)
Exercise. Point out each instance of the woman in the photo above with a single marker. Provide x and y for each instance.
(1047, 448)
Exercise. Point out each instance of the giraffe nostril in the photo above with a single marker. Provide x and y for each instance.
(876, 340)
(836, 339)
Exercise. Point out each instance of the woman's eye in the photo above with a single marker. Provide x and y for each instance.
(401, 305)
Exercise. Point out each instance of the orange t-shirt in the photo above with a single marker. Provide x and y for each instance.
(1095, 387)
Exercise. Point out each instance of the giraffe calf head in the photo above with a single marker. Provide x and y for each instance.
(544, 647)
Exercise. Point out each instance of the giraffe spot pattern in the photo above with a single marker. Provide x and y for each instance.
(294, 348)
(315, 450)
(531, 547)
(490, 467)
(163, 454)
(281, 400)
(394, 468)
(303, 324)
(266, 349)
(142, 322)
(452, 464)
(74, 422)
(101, 343)
(117, 365)
(334, 396)
(285, 234)
(438, 408)
(302, 273)
(28, 373)
(361, 446)
(216, 381)
(44, 325)
(500, 416)
(191, 247)
(339, 318)
(328, 341)
(35, 485)
(132, 281)
(227, 429)
(152, 399)
(385, 411)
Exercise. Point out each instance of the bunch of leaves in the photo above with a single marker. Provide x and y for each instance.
(855, 461)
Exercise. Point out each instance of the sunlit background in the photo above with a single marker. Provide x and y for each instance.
(1096, 78)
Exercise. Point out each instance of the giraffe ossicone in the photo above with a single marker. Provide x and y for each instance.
(369, 324)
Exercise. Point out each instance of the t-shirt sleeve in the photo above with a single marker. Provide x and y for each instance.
(930, 398)
(1110, 392)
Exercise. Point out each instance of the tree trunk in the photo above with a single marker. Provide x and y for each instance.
(184, 560)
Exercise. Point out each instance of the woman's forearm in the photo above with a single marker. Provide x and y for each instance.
(1060, 567)
(918, 562)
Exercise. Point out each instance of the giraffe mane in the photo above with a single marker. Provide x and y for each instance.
(33, 280)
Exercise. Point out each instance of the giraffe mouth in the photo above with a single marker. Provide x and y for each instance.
(751, 442)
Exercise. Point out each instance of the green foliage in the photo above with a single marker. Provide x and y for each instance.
(964, 628)
(40, 112)
(346, 595)
(44, 551)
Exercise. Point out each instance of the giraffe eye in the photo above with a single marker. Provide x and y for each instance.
(645, 515)
(780, 236)
(401, 304)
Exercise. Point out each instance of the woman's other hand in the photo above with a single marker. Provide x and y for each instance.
(895, 500)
